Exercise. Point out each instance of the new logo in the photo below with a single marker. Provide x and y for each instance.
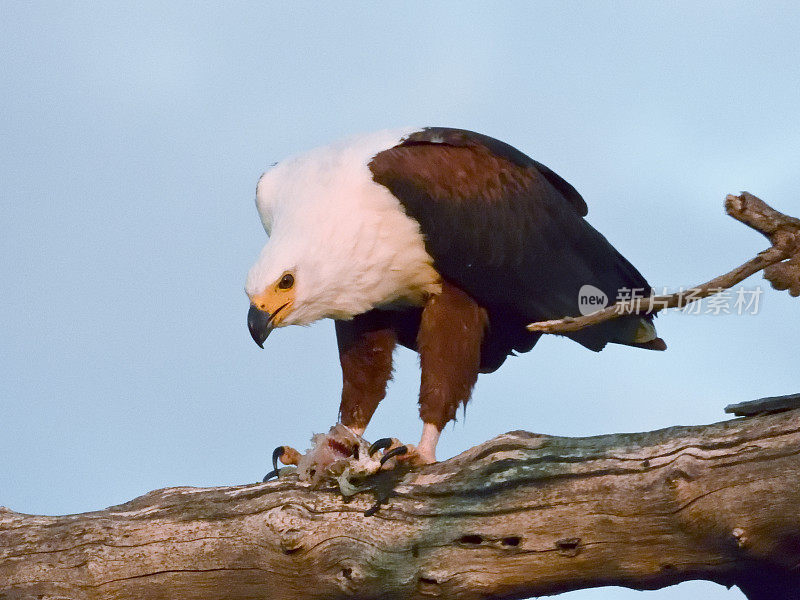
(591, 299)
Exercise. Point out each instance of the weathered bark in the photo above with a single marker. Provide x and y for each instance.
(521, 515)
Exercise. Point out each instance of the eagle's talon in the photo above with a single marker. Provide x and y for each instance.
(278, 473)
(373, 509)
(287, 455)
(276, 454)
(380, 444)
(393, 452)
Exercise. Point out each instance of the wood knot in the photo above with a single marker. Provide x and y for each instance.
(429, 586)
(785, 275)
(676, 476)
(291, 541)
(289, 523)
(739, 536)
(470, 539)
(568, 546)
(347, 578)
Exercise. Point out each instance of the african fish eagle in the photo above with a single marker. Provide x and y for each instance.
(443, 240)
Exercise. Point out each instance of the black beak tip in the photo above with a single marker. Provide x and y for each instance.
(258, 322)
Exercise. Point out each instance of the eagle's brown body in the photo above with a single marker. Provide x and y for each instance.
(507, 239)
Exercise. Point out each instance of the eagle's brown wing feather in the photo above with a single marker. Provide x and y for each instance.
(508, 231)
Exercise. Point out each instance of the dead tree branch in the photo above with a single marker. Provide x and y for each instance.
(780, 263)
(521, 515)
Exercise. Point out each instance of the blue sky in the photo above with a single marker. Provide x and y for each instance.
(132, 141)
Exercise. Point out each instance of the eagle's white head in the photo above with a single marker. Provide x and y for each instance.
(339, 243)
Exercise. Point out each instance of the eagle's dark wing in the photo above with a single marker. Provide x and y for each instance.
(508, 231)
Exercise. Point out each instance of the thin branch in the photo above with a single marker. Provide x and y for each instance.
(782, 230)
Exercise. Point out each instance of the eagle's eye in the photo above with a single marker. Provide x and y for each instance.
(286, 282)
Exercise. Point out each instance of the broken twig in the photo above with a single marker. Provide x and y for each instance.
(782, 230)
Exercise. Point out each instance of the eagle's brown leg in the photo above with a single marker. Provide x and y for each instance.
(449, 343)
(365, 344)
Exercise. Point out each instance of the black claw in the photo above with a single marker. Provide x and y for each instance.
(276, 472)
(380, 445)
(271, 474)
(276, 454)
(372, 509)
(392, 453)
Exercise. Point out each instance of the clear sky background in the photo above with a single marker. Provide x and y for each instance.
(132, 139)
